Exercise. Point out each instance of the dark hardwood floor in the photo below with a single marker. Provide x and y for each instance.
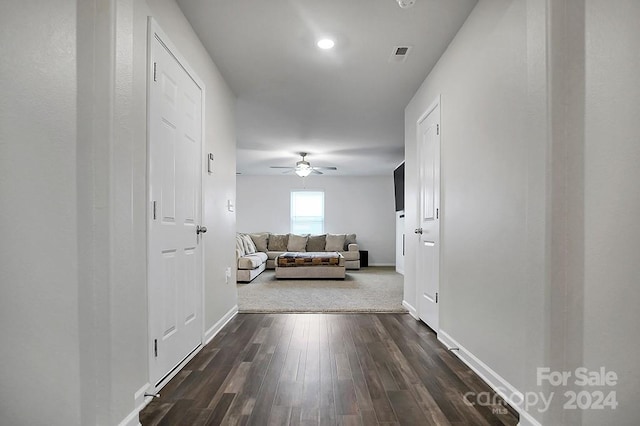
(324, 369)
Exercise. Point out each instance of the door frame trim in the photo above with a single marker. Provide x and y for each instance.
(434, 104)
(437, 102)
(155, 31)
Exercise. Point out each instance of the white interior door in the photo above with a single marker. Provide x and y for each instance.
(174, 250)
(428, 231)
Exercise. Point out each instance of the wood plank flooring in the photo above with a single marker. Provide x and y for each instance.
(324, 369)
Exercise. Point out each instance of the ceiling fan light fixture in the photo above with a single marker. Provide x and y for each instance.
(303, 172)
(303, 167)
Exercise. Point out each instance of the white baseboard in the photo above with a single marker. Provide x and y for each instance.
(502, 387)
(139, 402)
(211, 333)
(411, 309)
(382, 264)
(208, 336)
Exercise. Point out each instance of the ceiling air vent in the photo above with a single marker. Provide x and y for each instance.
(400, 53)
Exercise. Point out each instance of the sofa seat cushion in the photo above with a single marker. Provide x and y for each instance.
(262, 256)
(351, 255)
(252, 261)
(271, 255)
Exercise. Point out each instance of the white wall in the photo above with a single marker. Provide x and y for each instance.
(38, 272)
(492, 186)
(612, 202)
(540, 161)
(361, 205)
(73, 187)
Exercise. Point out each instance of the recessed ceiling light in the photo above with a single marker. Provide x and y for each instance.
(326, 43)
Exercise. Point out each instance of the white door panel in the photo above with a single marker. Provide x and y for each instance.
(427, 209)
(167, 287)
(428, 231)
(174, 251)
(190, 293)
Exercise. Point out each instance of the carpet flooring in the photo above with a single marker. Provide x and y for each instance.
(372, 289)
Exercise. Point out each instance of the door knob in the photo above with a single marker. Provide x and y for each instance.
(418, 231)
(201, 229)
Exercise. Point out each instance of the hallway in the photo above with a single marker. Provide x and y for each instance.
(324, 369)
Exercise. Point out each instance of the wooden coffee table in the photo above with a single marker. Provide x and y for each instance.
(310, 265)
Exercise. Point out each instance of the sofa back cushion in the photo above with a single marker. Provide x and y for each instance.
(239, 246)
(335, 242)
(350, 239)
(278, 242)
(297, 242)
(317, 242)
(261, 241)
(249, 246)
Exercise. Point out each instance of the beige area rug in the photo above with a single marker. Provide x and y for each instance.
(372, 289)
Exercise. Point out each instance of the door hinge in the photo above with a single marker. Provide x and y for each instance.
(154, 210)
(155, 347)
(155, 70)
(437, 129)
(436, 297)
(437, 213)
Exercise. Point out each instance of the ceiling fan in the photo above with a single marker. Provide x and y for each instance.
(303, 167)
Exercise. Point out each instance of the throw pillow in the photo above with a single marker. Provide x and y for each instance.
(351, 239)
(261, 241)
(249, 247)
(239, 246)
(317, 242)
(335, 242)
(278, 242)
(297, 242)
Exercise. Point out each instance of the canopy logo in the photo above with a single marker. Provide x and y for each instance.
(596, 392)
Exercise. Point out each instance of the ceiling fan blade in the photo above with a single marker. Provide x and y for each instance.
(316, 172)
(326, 168)
(281, 167)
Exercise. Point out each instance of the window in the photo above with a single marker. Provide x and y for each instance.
(307, 212)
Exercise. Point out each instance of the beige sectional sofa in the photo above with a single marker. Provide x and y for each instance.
(257, 252)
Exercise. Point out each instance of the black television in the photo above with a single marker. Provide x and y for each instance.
(398, 185)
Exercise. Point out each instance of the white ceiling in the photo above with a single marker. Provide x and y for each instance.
(345, 107)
